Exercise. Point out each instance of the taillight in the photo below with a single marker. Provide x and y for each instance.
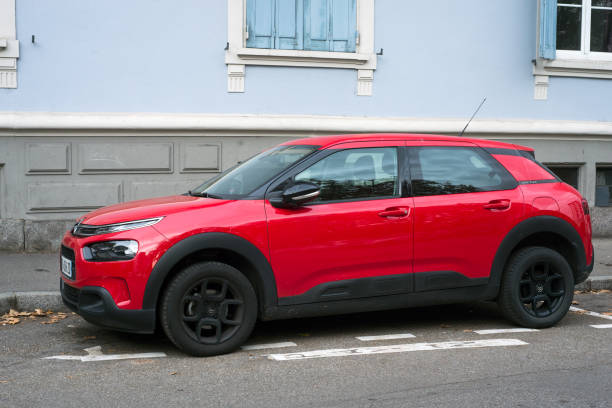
(585, 206)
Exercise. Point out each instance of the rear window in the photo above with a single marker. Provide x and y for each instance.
(437, 170)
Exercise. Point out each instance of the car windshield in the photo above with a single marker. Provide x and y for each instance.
(246, 177)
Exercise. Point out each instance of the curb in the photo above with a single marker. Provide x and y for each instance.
(30, 301)
(53, 299)
(596, 283)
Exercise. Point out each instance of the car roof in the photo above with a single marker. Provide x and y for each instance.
(327, 141)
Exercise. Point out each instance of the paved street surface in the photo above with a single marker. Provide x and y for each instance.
(446, 364)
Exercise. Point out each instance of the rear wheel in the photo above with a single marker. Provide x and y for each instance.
(537, 287)
(209, 308)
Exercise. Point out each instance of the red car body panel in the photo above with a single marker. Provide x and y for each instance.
(313, 245)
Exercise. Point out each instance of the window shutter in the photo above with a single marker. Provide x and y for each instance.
(329, 25)
(548, 29)
(260, 23)
(344, 19)
(289, 33)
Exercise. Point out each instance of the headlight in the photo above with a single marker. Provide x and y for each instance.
(84, 230)
(110, 251)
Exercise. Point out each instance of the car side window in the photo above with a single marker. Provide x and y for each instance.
(355, 173)
(438, 170)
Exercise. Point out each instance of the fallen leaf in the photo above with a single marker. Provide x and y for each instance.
(468, 331)
(9, 320)
(3, 381)
(89, 337)
(173, 373)
(445, 326)
(304, 334)
(575, 302)
(607, 313)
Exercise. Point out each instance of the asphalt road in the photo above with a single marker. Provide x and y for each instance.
(569, 365)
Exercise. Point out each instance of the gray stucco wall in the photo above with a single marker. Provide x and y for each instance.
(46, 182)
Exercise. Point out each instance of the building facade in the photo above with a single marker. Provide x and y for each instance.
(105, 102)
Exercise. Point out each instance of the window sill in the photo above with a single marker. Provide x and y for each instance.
(579, 67)
(293, 58)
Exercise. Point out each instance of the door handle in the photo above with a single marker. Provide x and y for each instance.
(394, 212)
(497, 205)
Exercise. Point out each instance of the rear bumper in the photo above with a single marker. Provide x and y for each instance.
(583, 275)
(95, 304)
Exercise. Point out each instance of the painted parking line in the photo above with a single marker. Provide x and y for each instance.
(398, 348)
(514, 330)
(268, 346)
(386, 337)
(588, 312)
(95, 354)
(602, 326)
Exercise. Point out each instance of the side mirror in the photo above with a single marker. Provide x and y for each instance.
(296, 195)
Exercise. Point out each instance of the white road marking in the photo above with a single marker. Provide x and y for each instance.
(398, 348)
(602, 326)
(515, 330)
(386, 337)
(588, 312)
(95, 354)
(269, 345)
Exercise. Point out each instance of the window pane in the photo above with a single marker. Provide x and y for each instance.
(603, 188)
(248, 176)
(568, 174)
(602, 3)
(601, 30)
(355, 173)
(569, 27)
(579, 2)
(453, 170)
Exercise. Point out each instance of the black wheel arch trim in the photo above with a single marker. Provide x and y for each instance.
(212, 241)
(531, 226)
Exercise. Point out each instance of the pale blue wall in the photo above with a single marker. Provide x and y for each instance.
(440, 58)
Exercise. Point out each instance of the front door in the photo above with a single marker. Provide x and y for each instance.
(355, 240)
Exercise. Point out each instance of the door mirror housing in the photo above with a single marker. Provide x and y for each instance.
(298, 194)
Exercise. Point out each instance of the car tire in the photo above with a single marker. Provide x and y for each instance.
(209, 308)
(537, 288)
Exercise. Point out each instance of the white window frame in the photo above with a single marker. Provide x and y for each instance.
(585, 36)
(237, 55)
(9, 46)
(583, 63)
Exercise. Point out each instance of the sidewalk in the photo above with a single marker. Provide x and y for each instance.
(28, 281)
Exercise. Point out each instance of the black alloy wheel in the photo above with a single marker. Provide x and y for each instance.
(541, 289)
(537, 287)
(212, 311)
(209, 308)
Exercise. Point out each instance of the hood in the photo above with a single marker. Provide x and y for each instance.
(151, 208)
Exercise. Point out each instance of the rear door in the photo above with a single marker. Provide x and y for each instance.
(465, 204)
(355, 240)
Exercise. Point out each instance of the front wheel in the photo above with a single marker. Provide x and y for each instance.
(209, 308)
(537, 287)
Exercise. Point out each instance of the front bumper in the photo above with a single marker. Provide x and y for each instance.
(95, 304)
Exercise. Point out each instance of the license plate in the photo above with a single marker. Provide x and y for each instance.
(67, 267)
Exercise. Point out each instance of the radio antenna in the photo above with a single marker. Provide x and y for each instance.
(475, 112)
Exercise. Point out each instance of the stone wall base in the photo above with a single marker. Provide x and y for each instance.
(32, 236)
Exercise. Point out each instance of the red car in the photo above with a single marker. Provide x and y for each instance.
(331, 225)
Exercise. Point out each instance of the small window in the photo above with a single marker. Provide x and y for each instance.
(355, 174)
(454, 170)
(567, 173)
(603, 187)
(591, 18)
